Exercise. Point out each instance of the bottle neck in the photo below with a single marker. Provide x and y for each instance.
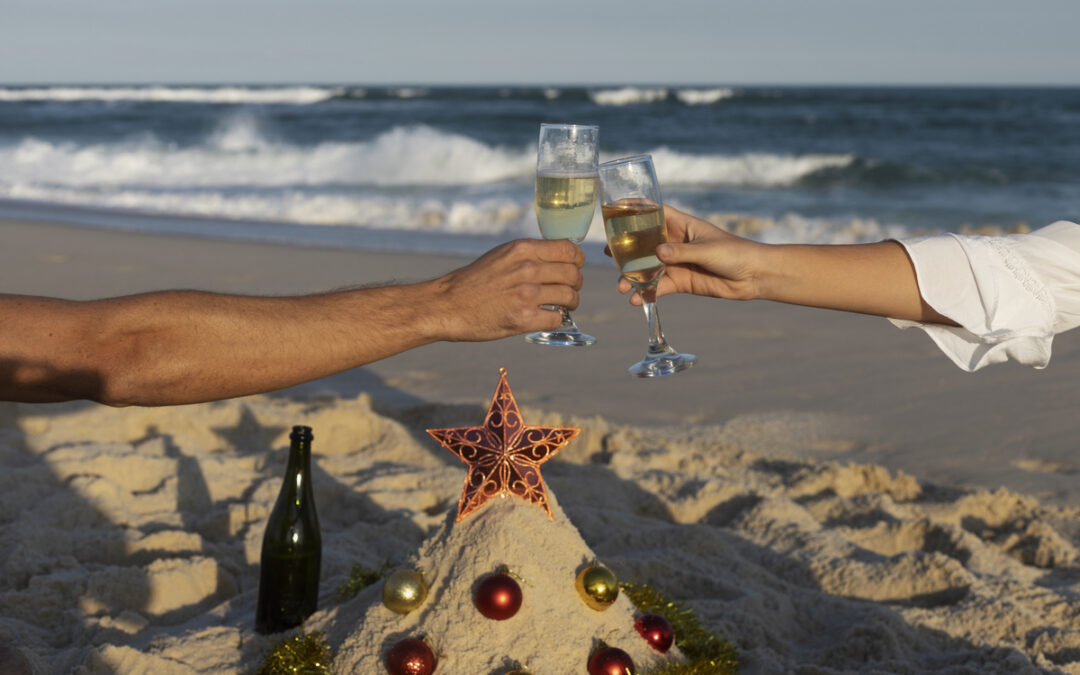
(298, 472)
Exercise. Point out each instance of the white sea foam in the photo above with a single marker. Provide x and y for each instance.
(792, 228)
(627, 95)
(239, 153)
(410, 92)
(296, 95)
(703, 96)
(750, 169)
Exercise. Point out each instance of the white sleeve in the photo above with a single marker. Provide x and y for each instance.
(1010, 294)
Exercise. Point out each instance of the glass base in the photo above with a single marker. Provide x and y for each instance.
(561, 338)
(668, 363)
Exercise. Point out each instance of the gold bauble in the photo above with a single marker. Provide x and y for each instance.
(404, 590)
(597, 586)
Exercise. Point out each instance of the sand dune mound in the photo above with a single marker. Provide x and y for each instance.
(130, 538)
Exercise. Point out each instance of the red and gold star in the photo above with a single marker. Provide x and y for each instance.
(504, 454)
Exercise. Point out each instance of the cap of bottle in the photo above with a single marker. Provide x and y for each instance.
(301, 433)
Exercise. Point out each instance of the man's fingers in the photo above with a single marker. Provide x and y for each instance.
(566, 274)
(562, 296)
(555, 250)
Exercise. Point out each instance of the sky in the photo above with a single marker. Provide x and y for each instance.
(553, 42)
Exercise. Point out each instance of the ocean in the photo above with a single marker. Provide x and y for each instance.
(451, 168)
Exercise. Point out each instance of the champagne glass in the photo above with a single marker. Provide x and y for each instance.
(565, 201)
(634, 224)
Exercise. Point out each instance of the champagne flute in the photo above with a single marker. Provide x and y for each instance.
(565, 201)
(634, 224)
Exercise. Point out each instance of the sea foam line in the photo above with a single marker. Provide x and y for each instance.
(296, 95)
(643, 95)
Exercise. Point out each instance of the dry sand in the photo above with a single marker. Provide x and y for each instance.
(825, 491)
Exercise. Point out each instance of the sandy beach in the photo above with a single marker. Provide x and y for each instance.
(827, 492)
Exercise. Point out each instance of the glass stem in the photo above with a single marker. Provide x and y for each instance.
(567, 322)
(657, 344)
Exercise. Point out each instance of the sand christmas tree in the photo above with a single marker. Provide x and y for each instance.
(507, 584)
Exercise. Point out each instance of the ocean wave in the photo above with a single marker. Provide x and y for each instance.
(239, 153)
(628, 95)
(486, 216)
(703, 96)
(233, 95)
(749, 170)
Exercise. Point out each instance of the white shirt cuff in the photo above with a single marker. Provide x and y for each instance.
(985, 285)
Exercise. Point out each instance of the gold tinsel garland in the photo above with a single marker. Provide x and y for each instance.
(303, 654)
(707, 654)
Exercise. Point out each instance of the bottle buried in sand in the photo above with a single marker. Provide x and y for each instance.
(292, 546)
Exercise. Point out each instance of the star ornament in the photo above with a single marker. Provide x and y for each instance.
(504, 454)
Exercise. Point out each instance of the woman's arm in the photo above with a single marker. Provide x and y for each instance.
(868, 278)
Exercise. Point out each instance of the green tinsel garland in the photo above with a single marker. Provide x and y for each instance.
(360, 578)
(303, 654)
(707, 654)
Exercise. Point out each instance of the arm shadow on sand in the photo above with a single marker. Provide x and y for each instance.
(113, 538)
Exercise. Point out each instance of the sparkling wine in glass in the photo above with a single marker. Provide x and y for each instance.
(634, 225)
(565, 201)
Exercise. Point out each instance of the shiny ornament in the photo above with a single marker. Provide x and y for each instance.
(498, 597)
(504, 455)
(404, 590)
(656, 630)
(610, 661)
(411, 656)
(597, 586)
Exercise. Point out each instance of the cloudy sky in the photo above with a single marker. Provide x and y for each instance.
(551, 42)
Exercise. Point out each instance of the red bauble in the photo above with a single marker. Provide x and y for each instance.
(498, 597)
(656, 630)
(610, 661)
(411, 656)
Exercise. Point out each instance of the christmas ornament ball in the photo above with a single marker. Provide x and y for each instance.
(411, 656)
(656, 630)
(597, 586)
(404, 590)
(611, 661)
(498, 596)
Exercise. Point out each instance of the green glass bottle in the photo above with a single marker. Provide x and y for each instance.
(292, 546)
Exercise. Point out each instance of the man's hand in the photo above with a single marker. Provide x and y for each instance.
(501, 293)
(702, 259)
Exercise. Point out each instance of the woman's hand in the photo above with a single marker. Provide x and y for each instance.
(704, 260)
